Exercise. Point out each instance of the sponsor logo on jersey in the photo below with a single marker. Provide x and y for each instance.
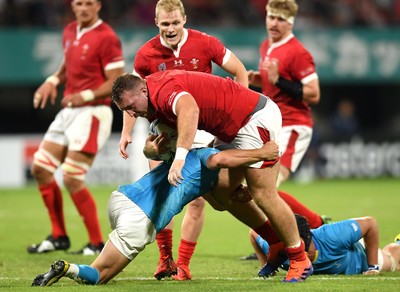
(171, 98)
(178, 63)
(162, 67)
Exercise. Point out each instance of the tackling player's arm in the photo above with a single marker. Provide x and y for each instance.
(187, 113)
(235, 157)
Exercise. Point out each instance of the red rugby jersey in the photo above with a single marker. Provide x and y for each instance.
(296, 64)
(87, 54)
(195, 52)
(225, 105)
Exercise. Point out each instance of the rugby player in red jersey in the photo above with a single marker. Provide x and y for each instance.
(92, 60)
(238, 117)
(176, 47)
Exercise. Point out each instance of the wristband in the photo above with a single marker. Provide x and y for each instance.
(53, 79)
(181, 153)
(293, 88)
(373, 268)
(87, 95)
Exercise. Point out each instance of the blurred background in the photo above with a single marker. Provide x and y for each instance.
(355, 45)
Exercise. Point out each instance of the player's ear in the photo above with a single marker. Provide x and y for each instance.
(98, 5)
(144, 90)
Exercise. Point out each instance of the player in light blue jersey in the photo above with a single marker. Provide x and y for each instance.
(138, 211)
(345, 247)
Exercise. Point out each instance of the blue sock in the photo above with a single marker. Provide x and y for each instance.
(88, 274)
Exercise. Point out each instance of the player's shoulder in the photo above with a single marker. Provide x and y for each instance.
(152, 45)
(265, 44)
(71, 26)
(295, 42)
(154, 42)
(198, 35)
(106, 29)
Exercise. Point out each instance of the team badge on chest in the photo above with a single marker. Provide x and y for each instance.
(195, 63)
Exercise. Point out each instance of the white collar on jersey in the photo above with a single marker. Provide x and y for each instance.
(282, 42)
(80, 33)
(180, 44)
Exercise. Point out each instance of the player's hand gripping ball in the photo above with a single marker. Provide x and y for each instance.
(157, 128)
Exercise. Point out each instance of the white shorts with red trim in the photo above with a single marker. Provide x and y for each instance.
(132, 229)
(293, 144)
(264, 125)
(84, 129)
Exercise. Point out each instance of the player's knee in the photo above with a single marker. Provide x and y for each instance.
(74, 170)
(241, 194)
(213, 203)
(216, 206)
(197, 205)
(44, 162)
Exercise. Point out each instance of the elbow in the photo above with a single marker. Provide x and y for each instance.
(372, 222)
(221, 161)
(313, 100)
(218, 164)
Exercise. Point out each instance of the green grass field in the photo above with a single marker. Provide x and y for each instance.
(215, 266)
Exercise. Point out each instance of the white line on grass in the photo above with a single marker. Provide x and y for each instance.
(268, 279)
(341, 278)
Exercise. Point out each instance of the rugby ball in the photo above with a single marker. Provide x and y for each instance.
(157, 127)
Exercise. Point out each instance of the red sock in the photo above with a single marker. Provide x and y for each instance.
(164, 242)
(267, 233)
(296, 253)
(86, 206)
(185, 252)
(314, 220)
(52, 197)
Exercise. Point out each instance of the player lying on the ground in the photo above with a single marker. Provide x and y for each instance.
(345, 247)
(138, 211)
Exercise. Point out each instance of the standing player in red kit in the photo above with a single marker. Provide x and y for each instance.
(92, 60)
(186, 49)
(239, 118)
(287, 75)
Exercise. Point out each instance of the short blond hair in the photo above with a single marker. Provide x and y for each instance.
(286, 8)
(169, 6)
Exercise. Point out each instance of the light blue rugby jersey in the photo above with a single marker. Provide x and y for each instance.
(161, 201)
(339, 249)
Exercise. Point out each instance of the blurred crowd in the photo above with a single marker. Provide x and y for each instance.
(221, 13)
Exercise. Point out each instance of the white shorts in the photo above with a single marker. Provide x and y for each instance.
(293, 143)
(132, 229)
(83, 129)
(265, 125)
(202, 139)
